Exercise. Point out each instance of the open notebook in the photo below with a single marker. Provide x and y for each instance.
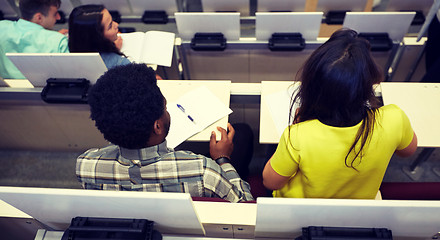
(192, 113)
(152, 47)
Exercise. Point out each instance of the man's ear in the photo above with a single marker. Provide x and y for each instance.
(158, 127)
(37, 18)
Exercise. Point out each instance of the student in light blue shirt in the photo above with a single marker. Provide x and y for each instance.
(30, 34)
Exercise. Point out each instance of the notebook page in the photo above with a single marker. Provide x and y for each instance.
(202, 106)
(132, 45)
(158, 48)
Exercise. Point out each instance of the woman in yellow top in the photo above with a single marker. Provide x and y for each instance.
(341, 141)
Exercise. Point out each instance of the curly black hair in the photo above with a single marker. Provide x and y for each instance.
(125, 102)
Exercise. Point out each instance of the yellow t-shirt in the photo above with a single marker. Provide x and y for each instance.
(313, 155)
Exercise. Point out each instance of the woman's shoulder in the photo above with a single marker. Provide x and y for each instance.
(113, 59)
(391, 113)
(391, 108)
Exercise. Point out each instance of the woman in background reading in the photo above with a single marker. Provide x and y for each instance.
(92, 29)
(341, 141)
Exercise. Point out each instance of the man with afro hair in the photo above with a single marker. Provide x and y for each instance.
(130, 111)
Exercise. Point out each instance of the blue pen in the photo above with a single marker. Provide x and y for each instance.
(183, 110)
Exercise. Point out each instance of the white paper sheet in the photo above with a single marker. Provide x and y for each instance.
(204, 108)
(158, 48)
(132, 44)
(152, 47)
(279, 107)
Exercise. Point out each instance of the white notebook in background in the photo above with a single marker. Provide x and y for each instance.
(202, 106)
(152, 47)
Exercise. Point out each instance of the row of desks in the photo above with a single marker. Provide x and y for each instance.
(177, 216)
(25, 117)
(28, 123)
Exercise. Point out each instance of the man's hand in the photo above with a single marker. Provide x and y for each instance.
(64, 31)
(224, 147)
(118, 42)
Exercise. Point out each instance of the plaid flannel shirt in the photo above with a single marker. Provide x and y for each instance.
(160, 169)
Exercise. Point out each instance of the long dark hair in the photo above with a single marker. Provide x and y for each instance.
(337, 87)
(86, 33)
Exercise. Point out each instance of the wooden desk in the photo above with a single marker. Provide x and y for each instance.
(268, 128)
(28, 123)
(178, 217)
(283, 218)
(173, 213)
(250, 61)
(15, 224)
(421, 102)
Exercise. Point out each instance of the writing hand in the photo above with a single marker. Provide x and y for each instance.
(224, 147)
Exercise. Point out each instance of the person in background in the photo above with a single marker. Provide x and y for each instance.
(432, 51)
(92, 29)
(32, 33)
(130, 111)
(341, 141)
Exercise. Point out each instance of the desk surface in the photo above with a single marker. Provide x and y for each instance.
(173, 213)
(57, 235)
(269, 217)
(269, 119)
(6, 210)
(26, 118)
(413, 98)
(421, 102)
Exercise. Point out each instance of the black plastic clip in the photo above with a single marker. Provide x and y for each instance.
(83, 228)
(287, 42)
(335, 17)
(208, 42)
(379, 42)
(116, 16)
(65, 90)
(155, 17)
(338, 233)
